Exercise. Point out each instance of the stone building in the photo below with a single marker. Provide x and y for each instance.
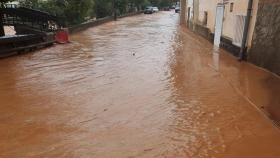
(265, 50)
(225, 23)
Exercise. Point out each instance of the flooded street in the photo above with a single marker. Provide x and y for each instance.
(139, 87)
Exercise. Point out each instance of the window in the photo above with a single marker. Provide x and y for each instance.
(205, 18)
(231, 7)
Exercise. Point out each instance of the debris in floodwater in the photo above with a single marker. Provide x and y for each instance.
(148, 149)
(98, 59)
(89, 55)
(85, 49)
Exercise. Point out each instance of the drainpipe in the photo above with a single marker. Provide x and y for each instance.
(246, 30)
(189, 16)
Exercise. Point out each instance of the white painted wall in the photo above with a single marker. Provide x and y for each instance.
(210, 7)
(190, 4)
(240, 8)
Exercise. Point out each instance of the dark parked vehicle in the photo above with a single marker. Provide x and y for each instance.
(166, 8)
(149, 10)
(177, 10)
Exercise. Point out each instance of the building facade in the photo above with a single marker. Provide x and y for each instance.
(265, 50)
(227, 19)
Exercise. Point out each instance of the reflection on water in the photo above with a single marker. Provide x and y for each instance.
(216, 60)
(138, 87)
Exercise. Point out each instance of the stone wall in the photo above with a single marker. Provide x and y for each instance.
(83, 26)
(265, 51)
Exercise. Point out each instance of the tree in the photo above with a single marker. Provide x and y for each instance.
(140, 4)
(4, 1)
(30, 3)
(72, 11)
(103, 8)
(165, 3)
(77, 11)
(162, 3)
(122, 6)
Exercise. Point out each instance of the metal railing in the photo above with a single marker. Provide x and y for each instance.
(13, 15)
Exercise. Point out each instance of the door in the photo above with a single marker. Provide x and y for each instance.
(189, 14)
(238, 30)
(219, 25)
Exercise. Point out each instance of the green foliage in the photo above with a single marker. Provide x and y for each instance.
(30, 3)
(78, 11)
(162, 3)
(103, 8)
(5, 1)
(72, 11)
(122, 6)
(165, 3)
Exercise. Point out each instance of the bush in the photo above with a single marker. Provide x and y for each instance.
(77, 11)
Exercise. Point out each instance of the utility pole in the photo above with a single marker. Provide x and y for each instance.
(183, 4)
(195, 13)
(114, 10)
(246, 30)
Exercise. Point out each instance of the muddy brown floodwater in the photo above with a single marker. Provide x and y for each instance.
(139, 87)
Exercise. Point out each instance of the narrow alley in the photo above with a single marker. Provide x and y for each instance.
(142, 86)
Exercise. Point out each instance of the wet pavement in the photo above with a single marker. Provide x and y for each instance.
(139, 87)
